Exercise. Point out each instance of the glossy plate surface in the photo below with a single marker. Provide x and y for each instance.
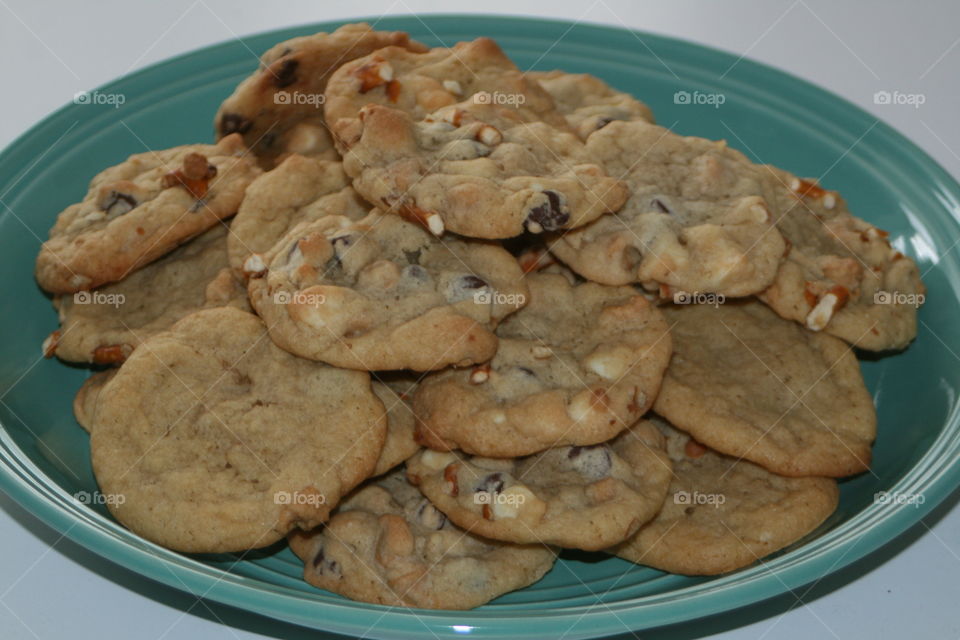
(771, 116)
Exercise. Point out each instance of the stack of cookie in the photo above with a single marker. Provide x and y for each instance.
(428, 346)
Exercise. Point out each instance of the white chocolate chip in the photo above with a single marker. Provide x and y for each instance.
(580, 406)
(609, 364)
(435, 224)
(499, 417)
(254, 265)
(819, 317)
(453, 87)
(489, 136)
(829, 201)
(760, 212)
(437, 459)
(385, 71)
(507, 503)
(480, 375)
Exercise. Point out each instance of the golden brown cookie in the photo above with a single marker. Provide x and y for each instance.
(722, 513)
(576, 366)
(387, 544)
(103, 326)
(142, 209)
(383, 294)
(279, 108)
(218, 441)
(752, 385)
(85, 402)
(579, 497)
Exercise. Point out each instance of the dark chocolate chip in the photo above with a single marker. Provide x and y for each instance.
(659, 205)
(493, 483)
(286, 74)
(413, 257)
(430, 517)
(550, 215)
(118, 203)
(471, 282)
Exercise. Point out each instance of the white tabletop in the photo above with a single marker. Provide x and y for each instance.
(52, 588)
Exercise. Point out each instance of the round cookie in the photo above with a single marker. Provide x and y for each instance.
(841, 275)
(479, 170)
(103, 326)
(85, 402)
(142, 209)
(752, 385)
(387, 544)
(299, 189)
(279, 108)
(576, 366)
(396, 394)
(696, 219)
(419, 82)
(578, 497)
(722, 513)
(384, 294)
(587, 102)
(219, 441)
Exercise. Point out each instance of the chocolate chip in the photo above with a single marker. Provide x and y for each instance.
(493, 483)
(117, 203)
(324, 565)
(548, 216)
(268, 140)
(602, 122)
(526, 372)
(659, 205)
(413, 257)
(592, 462)
(415, 272)
(465, 287)
(234, 123)
(286, 74)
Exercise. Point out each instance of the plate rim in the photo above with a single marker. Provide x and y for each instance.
(33, 490)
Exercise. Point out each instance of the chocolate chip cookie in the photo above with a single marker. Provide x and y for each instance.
(722, 513)
(387, 544)
(577, 497)
(752, 385)
(576, 366)
(142, 209)
(841, 274)
(395, 391)
(279, 109)
(300, 189)
(587, 102)
(696, 220)
(383, 294)
(103, 326)
(220, 441)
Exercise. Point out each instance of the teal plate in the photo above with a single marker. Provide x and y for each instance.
(770, 115)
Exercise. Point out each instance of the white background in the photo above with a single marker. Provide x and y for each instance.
(51, 588)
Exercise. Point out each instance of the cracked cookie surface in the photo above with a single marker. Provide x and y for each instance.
(696, 219)
(383, 294)
(279, 108)
(576, 366)
(387, 544)
(141, 210)
(576, 497)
